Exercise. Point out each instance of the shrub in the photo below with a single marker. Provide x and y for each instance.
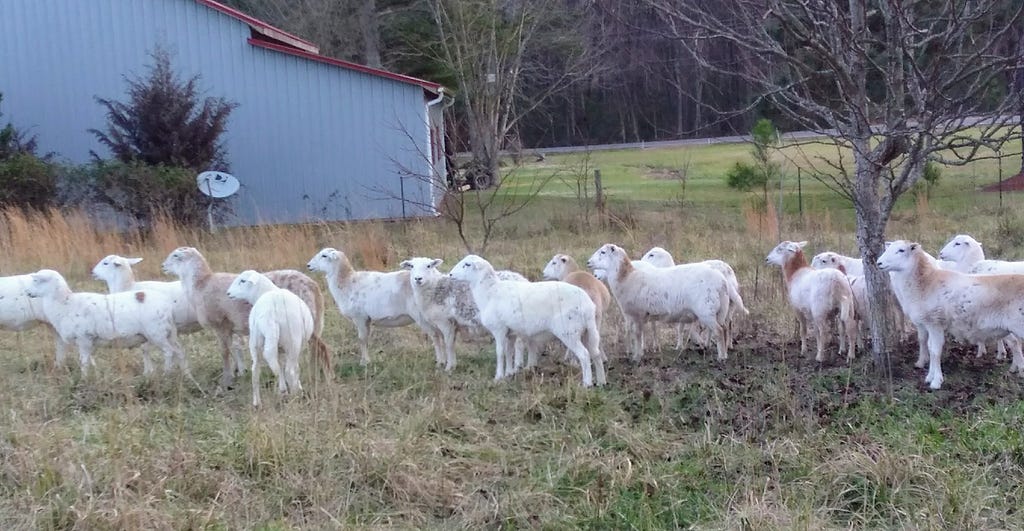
(139, 190)
(26, 180)
(165, 123)
(744, 177)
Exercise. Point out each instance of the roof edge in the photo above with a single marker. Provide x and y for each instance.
(263, 28)
(429, 86)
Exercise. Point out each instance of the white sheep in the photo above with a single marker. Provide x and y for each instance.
(20, 312)
(534, 312)
(969, 257)
(680, 294)
(817, 295)
(229, 318)
(116, 272)
(829, 260)
(368, 297)
(974, 308)
(659, 257)
(965, 254)
(279, 319)
(126, 319)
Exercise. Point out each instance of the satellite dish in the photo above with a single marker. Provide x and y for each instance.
(217, 184)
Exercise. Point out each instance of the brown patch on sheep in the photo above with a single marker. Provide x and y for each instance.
(594, 288)
(140, 296)
(625, 267)
(794, 263)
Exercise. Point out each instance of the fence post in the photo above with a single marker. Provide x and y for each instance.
(599, 194)
(799, 194)
(999, 158)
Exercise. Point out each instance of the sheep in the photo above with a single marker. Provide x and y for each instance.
(965, 254)
(564, 268)
(116, 272)
(227, 317)
(20, 312)
(969, 257)
(830, 260)
(675, 294)
(975, 308)
(368, 297)
(278, 319)
(124, 319)
(659, 257)
(534, 312)
(816, 295)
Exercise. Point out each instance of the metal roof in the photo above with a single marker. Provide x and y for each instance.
(276, 39)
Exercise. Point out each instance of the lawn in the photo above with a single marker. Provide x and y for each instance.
(766, 440)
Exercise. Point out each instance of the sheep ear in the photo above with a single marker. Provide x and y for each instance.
(132, 261)
(564, 260)
(801, 245)
(437, 262)
(913, 246)
(887, 244)
(406, 264)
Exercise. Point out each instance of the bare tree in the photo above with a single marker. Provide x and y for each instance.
(494, 50)
(896, 83)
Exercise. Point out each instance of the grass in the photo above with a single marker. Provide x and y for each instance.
(768, 440)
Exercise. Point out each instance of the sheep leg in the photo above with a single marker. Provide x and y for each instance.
(821, 328)
(363, 331)
(841, 332)
(147, 362)
(634, 338)
(62, 352)
(936, 338)
(653, 345)
(1001, 349)
(922, 347)
(255, 345)
(801, 326)
(438, 344)
(513, 366)
(270, 356)
(574, 344)
(448, 334)
(532, 353)
(1018, 358)
(592, 338)
(500, 351)
(84, 355)
(291, 367)
(227, 377)
(982, 350)
(683, 340)
(851, 338)
(718, 332)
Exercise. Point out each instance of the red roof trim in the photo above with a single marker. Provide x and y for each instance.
(263, 28)
(428, 85)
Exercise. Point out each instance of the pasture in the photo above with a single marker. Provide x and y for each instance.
(766, 440)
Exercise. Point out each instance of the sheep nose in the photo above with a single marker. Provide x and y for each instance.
(878, 263)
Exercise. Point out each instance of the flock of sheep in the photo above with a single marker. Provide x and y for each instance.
(961, 293)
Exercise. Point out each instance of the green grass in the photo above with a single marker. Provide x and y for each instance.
(767, 440)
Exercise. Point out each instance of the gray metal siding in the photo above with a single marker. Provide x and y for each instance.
(308, 140)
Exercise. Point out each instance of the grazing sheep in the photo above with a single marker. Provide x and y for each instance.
(226, 317)
(20, 312)
(659, 257)
(535, 313)
(680, 294)
(817, 295)
(368, 297)
(125, 319)
(974, 308)
(279, 319)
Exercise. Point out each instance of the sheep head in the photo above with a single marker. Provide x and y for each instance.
(113, 268)
(898, 256)
(784, 252)
(422, 269)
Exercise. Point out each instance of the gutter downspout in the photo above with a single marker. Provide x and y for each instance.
(434, 175)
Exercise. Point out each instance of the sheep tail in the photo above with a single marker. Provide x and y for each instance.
(322, 355)
(734, 297)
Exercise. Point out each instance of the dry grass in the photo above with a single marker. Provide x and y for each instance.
(764, 441)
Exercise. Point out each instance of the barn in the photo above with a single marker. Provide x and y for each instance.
(312, 138)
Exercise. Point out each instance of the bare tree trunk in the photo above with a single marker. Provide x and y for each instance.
(871, 222)
(371, 32)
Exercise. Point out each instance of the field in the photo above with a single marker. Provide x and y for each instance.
(766, 440)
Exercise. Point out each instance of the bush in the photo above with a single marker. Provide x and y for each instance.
(745, 177)
(26, 180)
(165, 123)
(139, 190)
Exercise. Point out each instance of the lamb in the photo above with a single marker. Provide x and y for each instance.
(830, 260)
(659, 257)
(126, 319)
(278, 319)
(968, 256)
(227, 318)
(535, 313)
(975, 308)
(564, 268)
(368, 297)
(680, 294)
(20, 312)
(817, 295)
